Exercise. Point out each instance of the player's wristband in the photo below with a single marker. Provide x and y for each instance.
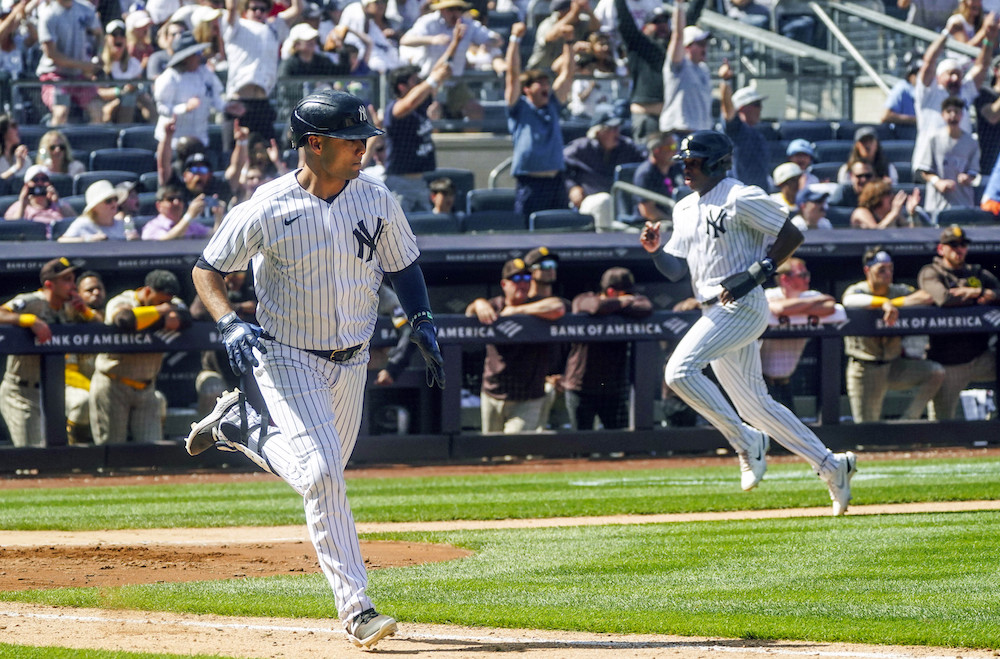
(421, 317)
(225, 320)
(145, 317)
(26, 319)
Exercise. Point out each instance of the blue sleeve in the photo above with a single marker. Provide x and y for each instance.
(411, 289)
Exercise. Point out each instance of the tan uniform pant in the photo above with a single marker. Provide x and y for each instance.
(868, 383)
(118, 410)
(510, 416)
(957, 377)
(21, 408)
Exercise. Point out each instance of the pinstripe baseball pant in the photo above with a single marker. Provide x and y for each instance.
(317, 405)
(726, 336)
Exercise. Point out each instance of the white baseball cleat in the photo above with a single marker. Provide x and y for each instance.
(753, 461)
(201, 437)
(840, 482)
(370, 627)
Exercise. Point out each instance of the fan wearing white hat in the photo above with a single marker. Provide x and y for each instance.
(937, 80)
(299, 56)
(788, 179)
(98, 219)
(687, 83)
(741, 113)
(430, 36)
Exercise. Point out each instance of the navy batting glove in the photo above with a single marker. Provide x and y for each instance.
(743, 282)
(240, 338)
(425, 336)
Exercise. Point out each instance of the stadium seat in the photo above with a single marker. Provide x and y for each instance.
(573, 128)
(87, 138)
(825, 171)
(846, 130)
(139, 161)
(839, 216)
(897, 150)
(19, 230)
(834, 151)
(31, 135)
(490, 199)
(904, 170)
(147, 203)
(138, 137)
(965, 216)
(463, 179)
(77, 202)
(6, 201)
(814, 130)
(491, 221)
(424, 223)
(149, 182)
(560, 220)
(83, 180)
(63, 184)
(624, 203)
(59, 228)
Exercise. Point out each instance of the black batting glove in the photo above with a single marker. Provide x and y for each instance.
(742, 283)
(240, 338)
(424, 335)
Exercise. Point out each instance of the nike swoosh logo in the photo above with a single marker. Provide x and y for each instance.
(287, 222)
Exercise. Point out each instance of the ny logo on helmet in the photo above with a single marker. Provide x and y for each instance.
(362, 113)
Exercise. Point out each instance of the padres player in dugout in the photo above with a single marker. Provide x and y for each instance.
(320, 240)
(721, 235)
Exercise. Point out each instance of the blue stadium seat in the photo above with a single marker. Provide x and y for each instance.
(814, 130)
(83, 180)
(825, 171)
(493, 221)
(76, 202)
(63, 184)
(138, 137)
(905, 171)
(19, 230)
(490, 199)
(87, 138)
(897, 150)
(147, 203)
(31, 135)
(839, 216)
(424, 223)
(6, 201)
(965, 216)
(560, 220)
(149, 182)
(624, 203)
(834, 151)
(139, 161)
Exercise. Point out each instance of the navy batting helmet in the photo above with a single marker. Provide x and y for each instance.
(714, 147)
(330, 114)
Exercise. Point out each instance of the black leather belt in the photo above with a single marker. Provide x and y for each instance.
(338, 355)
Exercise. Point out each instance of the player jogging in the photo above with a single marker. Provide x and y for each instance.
(720, 236)
(319, 240)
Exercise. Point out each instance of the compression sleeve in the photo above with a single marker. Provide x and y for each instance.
(672, 267)
(411, 290)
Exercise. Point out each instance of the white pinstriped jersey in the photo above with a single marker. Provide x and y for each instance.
(317, 265)
(723, 232)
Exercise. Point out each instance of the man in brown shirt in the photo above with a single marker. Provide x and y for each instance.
(597, 379)
(513, 390)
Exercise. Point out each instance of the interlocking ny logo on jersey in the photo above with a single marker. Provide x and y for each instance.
(717, 224)
(366, 239)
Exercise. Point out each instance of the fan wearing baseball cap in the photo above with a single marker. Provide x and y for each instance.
(56, 302)
(788, 179)
(687, 82)
(741, 111)
(953, 282)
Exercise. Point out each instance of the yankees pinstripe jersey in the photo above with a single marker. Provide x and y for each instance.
(317, 264)
(723, 232)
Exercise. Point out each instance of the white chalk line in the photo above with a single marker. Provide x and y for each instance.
(485, 640)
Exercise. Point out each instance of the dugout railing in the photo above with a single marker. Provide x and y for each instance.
(447, 441)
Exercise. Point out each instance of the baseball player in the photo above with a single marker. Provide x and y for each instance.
(57, 301)
(319, 240)
(720, 236)
(123, 396)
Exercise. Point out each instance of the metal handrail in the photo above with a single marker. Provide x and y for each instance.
(908, 29)
(495, 173)
(639, 191)
(849, 47)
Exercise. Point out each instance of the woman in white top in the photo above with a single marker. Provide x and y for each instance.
(98, 220)
(966, 24)
(120, 102)
(56, 155)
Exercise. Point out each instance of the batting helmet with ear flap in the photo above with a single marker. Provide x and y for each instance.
(715, 148)
(331, 114)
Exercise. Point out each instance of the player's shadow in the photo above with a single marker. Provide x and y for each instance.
(513, 644)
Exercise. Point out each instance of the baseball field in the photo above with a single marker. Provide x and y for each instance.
(588, 558)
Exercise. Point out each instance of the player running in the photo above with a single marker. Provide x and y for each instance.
(319, 240)
(720, 236)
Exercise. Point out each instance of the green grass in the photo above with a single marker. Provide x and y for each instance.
(495, 496)
(898, 579)
(30, 652)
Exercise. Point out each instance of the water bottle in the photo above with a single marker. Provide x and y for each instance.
(131, 233)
